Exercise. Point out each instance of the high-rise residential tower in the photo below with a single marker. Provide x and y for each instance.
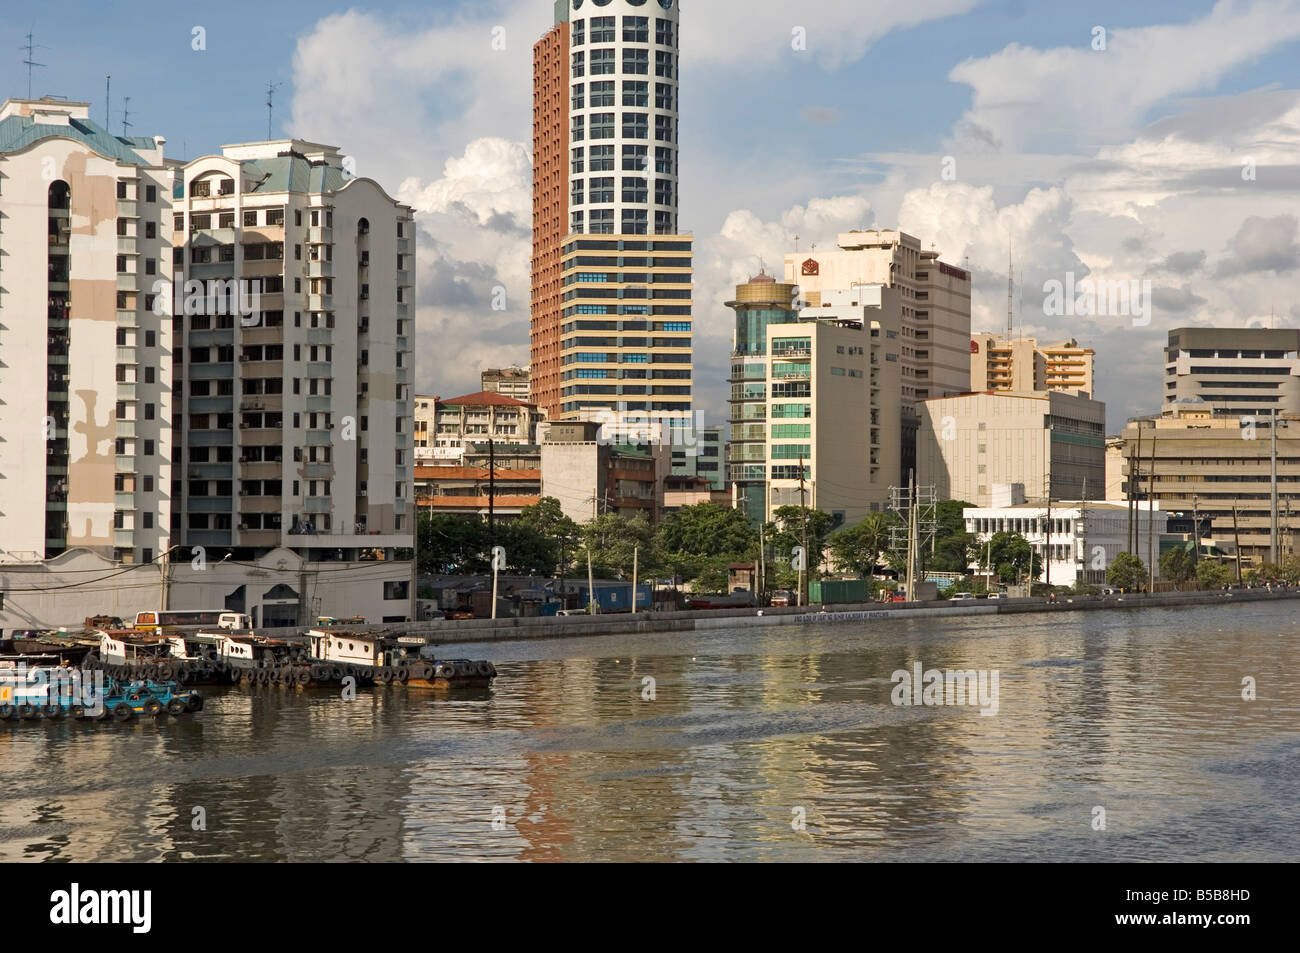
(611, 276)
(297, 404)
(85, 358)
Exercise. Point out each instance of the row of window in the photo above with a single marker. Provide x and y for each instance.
(635, 126)
(626, 389)
(628, 292)
(636, 190)
(601, 374)
(635, 159)
(626, 342)
(636, 62)
(625, 309)
(675, 326)
(636, 93)
(635, 222)
(635, 30)
(584, 357)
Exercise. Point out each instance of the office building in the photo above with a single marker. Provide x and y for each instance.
(702, 455)
(611, 326)
(1052, 442)
(1234, 371)
(1022, 364)
(934, 337)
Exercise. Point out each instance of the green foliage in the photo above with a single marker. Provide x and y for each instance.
(452, 544)
(953, 546)
(1214, 575)
(788, 532)
(859, 548)
(1127, 572)
(1177, 566)
(612, 540)
(703, 538)
(1011, 556)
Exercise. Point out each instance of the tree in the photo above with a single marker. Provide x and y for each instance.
(1214, 575)
(1011, 557)
(788, 532)
(953, 546)
(1176, 565)
(859, 547)
(1127, 572)
(696, 538)
(612, 540)
(546, 539)
(453, 544)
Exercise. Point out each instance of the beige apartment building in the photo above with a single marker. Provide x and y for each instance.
(513, 382)
(1234, 371)
(934, 336)
(1052, 442)
(445, 428)
(297, 403)
(1219, 467)
(1022, 364)
(85, 355)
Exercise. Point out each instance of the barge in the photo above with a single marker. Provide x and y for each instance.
(51, 693)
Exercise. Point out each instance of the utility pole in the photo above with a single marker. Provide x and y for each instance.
(1134, 485)
(1151, 519)
(762, 567)
(591, 584)
(802, 597)
(1047, 547)
(1236, 538)
(1273, 535)
(1196, 533)
(492, 487)
(636, 550)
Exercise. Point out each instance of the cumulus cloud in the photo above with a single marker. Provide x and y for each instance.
(1262, 244)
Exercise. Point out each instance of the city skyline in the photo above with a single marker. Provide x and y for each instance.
(1108, 186)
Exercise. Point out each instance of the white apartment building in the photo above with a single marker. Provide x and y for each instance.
(513, 382)
(445, 428)
(85, 357)
(297, 405)
(1050, 441)
(1081, 540)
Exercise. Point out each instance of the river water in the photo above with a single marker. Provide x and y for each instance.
(1118, 736)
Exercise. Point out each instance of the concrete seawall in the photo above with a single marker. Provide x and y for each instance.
(502, 630)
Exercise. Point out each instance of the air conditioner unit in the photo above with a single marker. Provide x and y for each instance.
(242, 358)
(243, 493)
(329, 426)
(365, 258)
(365, 296)
(243, 425)
(277, 459)
(243, 527)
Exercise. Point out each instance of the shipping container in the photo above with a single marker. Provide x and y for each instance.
(833, 591)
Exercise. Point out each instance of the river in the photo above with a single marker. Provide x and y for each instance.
(1118, 736)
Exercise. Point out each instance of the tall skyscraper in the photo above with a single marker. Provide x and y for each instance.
(85, 359)
(611, 277)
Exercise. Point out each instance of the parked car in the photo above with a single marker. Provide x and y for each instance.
(997, 595)
(963, 597)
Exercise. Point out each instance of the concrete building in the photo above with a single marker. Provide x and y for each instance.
(498, 483)
(1234, 371)
(1022, 364)
(1047, 440)
(508, 381)
(280, 587)
(444, 428)
(934, 353)
(589, 476)
(704, 457)
(85, 356)
(611, 276)
(1212, 466)
(1084, 537)
(298, 410)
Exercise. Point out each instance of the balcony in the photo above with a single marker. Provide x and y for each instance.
(126, 354)
(316, 438)
(125, 428)
(127, 208)
(125, 463)
(208, 504)
(320, 302)
(320, 269)
(124, 501)
(124, 538)
(125, 390)
(317, 471)
(319, 235)
(317, 504)
(404, 278)
(126, 281)
(127, 319)
(403, 246)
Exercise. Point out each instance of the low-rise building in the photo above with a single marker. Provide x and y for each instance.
(1081, 540)
(508, 382)
(590, 476)
(443, 428)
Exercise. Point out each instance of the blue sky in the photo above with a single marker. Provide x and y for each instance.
(1057, 145)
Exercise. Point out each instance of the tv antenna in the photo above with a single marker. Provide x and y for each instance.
(126, 115)
(270, 98)
(30, 48)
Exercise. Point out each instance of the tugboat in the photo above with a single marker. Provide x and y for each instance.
(49, 692)
(400, 660)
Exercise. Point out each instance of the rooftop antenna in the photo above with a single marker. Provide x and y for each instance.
(30, 48)
(126, 114)
(270, 97)
(108, 101)
(796, 244)
(1010, 291)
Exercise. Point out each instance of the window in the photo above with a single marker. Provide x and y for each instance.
(579, 59)
(151, 193)
(664, 163)
(602, 93)
(250, 217)
(602, 221)
(149, 411)
(579, 96)
(634, 221)
(602, 29)
(226, 220)
(664, 32)
(575, 197)
(634, 158)
(602, 158)
(664, 98)
(577, 135)
(602, 126)
(636, 62)
(275, 216)
(665, 225)
(150, 229)
(635, 125)
(664, 64)
(634, 190)
(636, 29)
(664, 128)
(636, 93)
(578, 165)
(576, 223)
(397, 590)
(149, 448)
(602, 63)
(602, 189)
(663, 192)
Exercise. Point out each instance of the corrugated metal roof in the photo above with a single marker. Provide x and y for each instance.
(18, 132)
